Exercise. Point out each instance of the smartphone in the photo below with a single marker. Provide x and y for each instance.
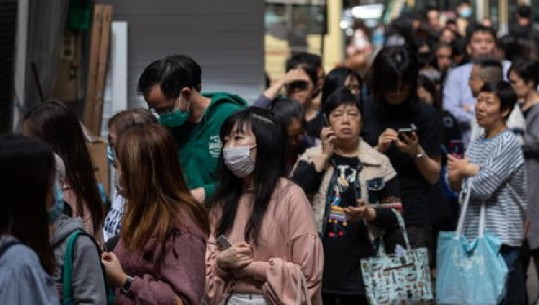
(223, 242)
(456, 148)
(408, 131)
(325, 120)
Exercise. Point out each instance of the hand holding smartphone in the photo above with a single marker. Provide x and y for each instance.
(223, 242)
(456, 148)
(406, 132)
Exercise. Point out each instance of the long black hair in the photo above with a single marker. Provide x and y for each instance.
(269, 168)
(26, 183)
(393, 66)
(57, 125)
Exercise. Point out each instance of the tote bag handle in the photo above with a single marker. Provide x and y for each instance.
(464, 210)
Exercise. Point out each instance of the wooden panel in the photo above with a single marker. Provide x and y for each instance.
(101, 69)
(92, 68)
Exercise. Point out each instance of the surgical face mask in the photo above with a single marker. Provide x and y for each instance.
(111, 156)
(175, 118)
(58, 206)
(238, 160)
(465, 12)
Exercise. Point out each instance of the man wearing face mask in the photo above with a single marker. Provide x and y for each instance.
(172, 89)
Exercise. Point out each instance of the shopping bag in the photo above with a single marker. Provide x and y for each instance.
(469, 272)
(397, 279)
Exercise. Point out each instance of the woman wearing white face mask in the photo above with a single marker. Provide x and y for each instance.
(275, 255)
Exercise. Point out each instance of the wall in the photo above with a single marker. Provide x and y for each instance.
(224, 37)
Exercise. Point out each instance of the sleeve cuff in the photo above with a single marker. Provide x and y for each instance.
(258, 270)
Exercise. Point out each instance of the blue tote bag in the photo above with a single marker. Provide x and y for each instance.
(470, 272)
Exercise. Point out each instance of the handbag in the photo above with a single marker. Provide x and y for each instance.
(397, 279)
(470, 272)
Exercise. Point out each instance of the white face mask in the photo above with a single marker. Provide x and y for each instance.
(238, 160)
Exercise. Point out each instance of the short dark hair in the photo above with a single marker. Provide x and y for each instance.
(493, 69)
(479, 28)
(286, 110)
(172, 74)
(505, 92)
(527, 69)
(391, 66)
(310, 63)
(336, 78)
(341, 96)
(524, 11)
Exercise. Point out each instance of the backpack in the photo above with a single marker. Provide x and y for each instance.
(67, 272)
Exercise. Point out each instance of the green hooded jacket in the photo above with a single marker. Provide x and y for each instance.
(199, 144)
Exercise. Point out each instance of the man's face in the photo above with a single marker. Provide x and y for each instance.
(475, 82)
(433, 19)
(159, 103)
(481, 45)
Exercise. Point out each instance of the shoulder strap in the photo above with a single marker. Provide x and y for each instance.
(67, 272)
(8, 245)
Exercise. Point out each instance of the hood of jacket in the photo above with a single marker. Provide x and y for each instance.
(64, 226)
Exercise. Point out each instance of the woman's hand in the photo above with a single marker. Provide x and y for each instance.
(113, 268)
(362, 211)
(461, 167)
(327, 136)
(386, 138)
(235, 257)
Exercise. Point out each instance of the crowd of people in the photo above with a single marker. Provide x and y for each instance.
(217, 201)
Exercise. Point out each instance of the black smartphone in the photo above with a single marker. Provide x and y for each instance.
(325, 120)
(456, 148)
(405, 131)
(223, 242)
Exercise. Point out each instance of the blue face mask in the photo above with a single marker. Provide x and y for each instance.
(173, 119)
(111, 156)
(58, 207)
(465, 12)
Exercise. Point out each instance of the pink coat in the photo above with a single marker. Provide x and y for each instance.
(289, 257)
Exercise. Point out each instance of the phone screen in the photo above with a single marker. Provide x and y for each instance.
(456, 148)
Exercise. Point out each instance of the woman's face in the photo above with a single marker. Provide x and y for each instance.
(353, 85)
(522, 88)
(488, 112)
(345, 121)
(397, 95)
(244, 137)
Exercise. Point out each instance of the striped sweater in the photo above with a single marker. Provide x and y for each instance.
(501, 185)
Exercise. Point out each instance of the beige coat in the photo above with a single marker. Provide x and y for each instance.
(374, 163)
